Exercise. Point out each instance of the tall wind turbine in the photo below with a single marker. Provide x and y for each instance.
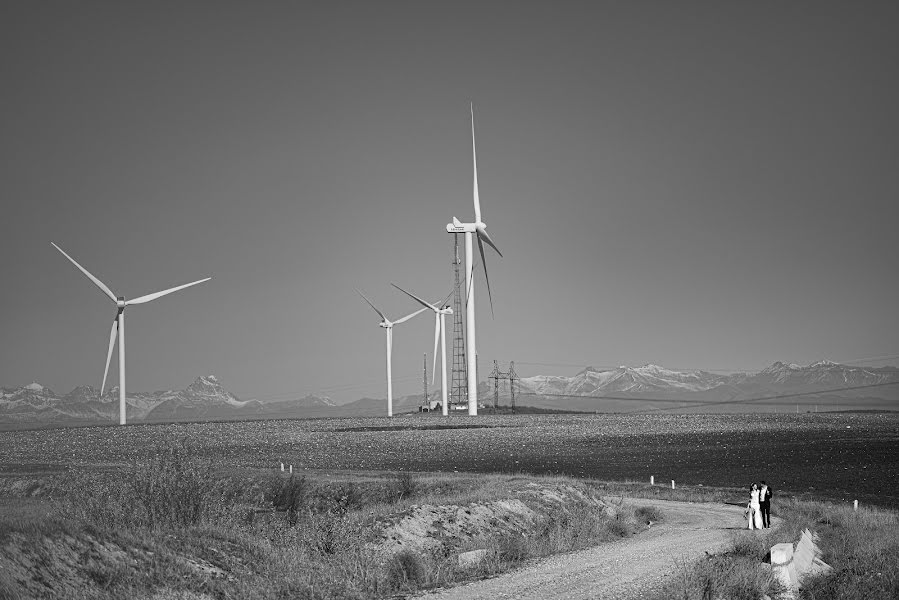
(387, 324)
(118, 325)
(439, 334)
(478, 228)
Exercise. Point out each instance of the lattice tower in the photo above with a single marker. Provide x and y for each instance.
(513, 383)
(459, 388)
(495, 375)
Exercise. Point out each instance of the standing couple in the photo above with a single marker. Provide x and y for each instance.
(758, 511)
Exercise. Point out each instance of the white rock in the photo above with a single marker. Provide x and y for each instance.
(472, 558)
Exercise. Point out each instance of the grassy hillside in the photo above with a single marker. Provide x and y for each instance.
(173, 528)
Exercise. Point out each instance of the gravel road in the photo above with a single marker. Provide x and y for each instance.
(628, 568)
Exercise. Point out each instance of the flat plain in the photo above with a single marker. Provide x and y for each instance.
(836, 456)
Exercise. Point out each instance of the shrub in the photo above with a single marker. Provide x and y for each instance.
(405, 485)
(644, 514)
(406, 571)
(754, 544)
(171, 489)
(288, 495)
(339, 498)
(512, 548)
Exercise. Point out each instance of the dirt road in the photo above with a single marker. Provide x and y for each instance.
(626, 569)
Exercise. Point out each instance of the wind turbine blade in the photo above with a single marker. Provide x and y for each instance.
(483, 234)
(474, 158)
(474, 267)
(436, 339)
(484, 264)
(112, 334)
(156, 295)
(96, 281)
(448, 296)
(407, 317)
(416, 298)
(372, 305)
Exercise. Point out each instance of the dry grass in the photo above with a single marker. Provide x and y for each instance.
(862, 547)
(172, 519)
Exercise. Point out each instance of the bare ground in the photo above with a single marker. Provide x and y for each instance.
(628, 569)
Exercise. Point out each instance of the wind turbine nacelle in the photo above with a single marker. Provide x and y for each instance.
(457, 227)
(120, 302)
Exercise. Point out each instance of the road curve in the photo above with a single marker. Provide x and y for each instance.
(626, 568)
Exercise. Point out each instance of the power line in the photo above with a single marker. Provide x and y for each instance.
(781, 396)
(332, 389)
(707, 370)
(350, 386)
(695, 403)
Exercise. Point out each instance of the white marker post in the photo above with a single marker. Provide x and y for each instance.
(672, 484)
(291, 469)
(855, 505)
(282, 467)
(652, 480)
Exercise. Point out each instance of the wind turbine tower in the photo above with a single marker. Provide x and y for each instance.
(476, 228)
(387, 325)
(118, 325)
(440, 311)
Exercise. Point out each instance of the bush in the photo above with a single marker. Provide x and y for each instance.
(336, 499)
(406, 571)
(172, 489)
(405, 486)
(644, 514)
(288, 495)
(513, 548)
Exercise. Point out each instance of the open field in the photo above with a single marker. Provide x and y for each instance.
(833, 456)
(108, 512)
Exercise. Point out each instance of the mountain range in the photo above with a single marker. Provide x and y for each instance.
(204, 399)
(830, 385)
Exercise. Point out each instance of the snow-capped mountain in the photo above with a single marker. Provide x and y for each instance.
(823, 373)
(31, 397)
(832, 385)
(204, 399)
(648, 378)
(313, 401)
(654, 379)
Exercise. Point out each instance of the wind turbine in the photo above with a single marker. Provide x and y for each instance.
(439, 334)
(478, 228)
(118, 325)
(387, 324)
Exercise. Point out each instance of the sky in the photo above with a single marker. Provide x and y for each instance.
(696, 185)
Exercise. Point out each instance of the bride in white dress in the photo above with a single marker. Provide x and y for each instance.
(754, 510)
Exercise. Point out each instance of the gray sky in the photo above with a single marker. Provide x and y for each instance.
(688, 184)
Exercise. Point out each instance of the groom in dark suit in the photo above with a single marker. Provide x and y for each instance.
(765, 504)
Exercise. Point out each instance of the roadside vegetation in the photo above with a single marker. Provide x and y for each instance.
(172, 527)
(861, 546)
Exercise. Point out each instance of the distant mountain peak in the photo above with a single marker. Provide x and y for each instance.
(311, 400)
(823, 377)
(34, 387)
(824, 363)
